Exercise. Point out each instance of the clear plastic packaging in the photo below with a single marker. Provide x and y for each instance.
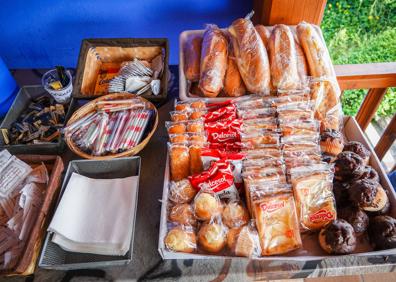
(182, 214)
(244, 241)
(181, 239)
(212, 236)
(207, 205)
(181, 191)
(235, 214)
(304, 127)
(254, 140)
(312, 187)
(179, 116)
(190, 105)
(256, 113)
(179, 160)
(195, 126)
(176, 127)
(178, 138)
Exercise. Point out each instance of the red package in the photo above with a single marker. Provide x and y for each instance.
(218, 179)
(224, 132)
(227, 147)
(221, 114)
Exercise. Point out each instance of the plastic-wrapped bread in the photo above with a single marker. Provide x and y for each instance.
(283, 58)
(192, 57)
(302, 66)
(233, 83)
(213, 61)
(317, 55)
(264, 34)
(251, 56)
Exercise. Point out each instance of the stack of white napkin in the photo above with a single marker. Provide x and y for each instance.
(95, 215)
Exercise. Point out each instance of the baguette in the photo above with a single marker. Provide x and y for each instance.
(283, 58)
(251, 56)
(233, 83)
(192, 57)
(213, 61)
(264, 34)
(302, 66)
(317, 55)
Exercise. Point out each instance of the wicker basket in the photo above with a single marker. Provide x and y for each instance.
(91, 106)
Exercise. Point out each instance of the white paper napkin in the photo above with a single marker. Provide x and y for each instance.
(95, 215)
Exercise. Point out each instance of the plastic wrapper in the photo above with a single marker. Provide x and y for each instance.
(213, 61)
(269, 124)
(225, 113)
(212, 236)
(256, 113)
(312, 137)
(182, 214)
(179, 116)
(251, 102)
(277, 223)
(235, 214)
(267, 152)
(251, 56)
(312, 187)
(244, 241)
(224, 132)
(283, 58)
(179, 160)
(181, 239)
(195, 126)
(178, 138)
(197, 114)
(288, 98)
(304, 127)
(207, 205)
(176, 127)
(233, 83)
(192, 57)
(295, 114)
(181, 191)
(190, 105)
(218, 179)
(196, 165)
(254, 140)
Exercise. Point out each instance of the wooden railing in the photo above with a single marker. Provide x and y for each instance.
(377, 78)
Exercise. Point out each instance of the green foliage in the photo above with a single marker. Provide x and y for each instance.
(362, 31)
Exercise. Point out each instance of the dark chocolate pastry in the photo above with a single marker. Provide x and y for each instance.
(362, 192)
(331, 142)
(380, 205)
(348, 166)
(338, 237)
(341, 195)
(356, 217)
(382, 232)
(358, 148)
(370, 173)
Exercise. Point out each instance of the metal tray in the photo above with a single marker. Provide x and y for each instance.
(21, 102)
(54, 257)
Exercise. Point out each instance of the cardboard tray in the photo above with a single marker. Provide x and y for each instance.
(130, 43)
(311, 249)
(184, 84)
(27, 262)
(21, 102)
(54, 257)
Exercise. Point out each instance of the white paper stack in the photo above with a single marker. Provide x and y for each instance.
(95, 215)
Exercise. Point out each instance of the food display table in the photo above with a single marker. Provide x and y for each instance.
(147, 263)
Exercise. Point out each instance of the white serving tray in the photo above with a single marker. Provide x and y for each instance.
(311, 249)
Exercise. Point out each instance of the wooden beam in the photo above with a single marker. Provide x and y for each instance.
(386, 139)
(369, 106)
(364, 76)
(290, 12)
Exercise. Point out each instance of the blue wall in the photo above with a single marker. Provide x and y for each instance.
(41, 34)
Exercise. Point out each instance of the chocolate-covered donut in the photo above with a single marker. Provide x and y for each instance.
(358, 148)
(338, 237)
(356, 217)
(382, 232)
(370, 173)
(348, 166)
(341, 195)
(362, 192)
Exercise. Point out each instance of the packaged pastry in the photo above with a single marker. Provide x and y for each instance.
(288, 98)
(312, 187)
(283, 58)
(197, 138)
(302, 65)
(197, 114)
(212, 236)
(218, 178)
(244, 241)
(195, 126)
(181, 191)
(256, 113)
(196, 165)
(269, 124)
(382, 232)
(179, 157)
(182, 214)
(190, 106)
(277, 223)
(213, 61)
(176, 127)
(235, 214)
(338, 237)
(207, 205)
(233, 83)
(304, 127)
(221, 114)
(181, 239)
(224, 132)
(261, 137)
(192, 57)
(251, 56)
(178, 138)
(264, 34)
(179, 116)
(331, 142)
(267, 152)
(250, 102)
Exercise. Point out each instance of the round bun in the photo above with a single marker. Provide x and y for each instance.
(212, 237)
(181, 191)
(338, 238)
(206, 206)
(181, 240)
(362, 192)
(382, 232)
(355, 217)
(348, 166)
(380, 204)
(331, 142)
(182, 214)
(358, 148)
(235, 215)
